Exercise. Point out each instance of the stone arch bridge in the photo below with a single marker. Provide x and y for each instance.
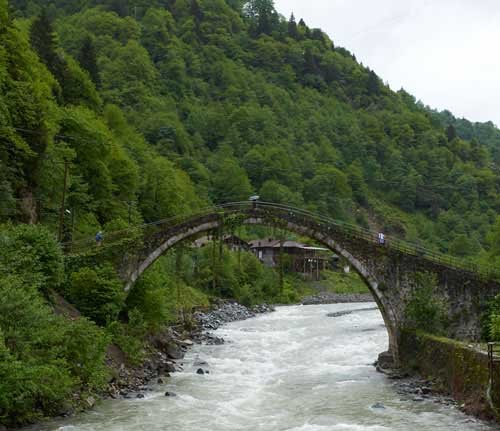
(389, 269)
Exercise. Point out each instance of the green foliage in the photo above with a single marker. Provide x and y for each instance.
(491, 322)
(425, 310)
(213, 101)
(32, 253)
(97, 293)
(236, 275)
(88, 60)
(84, 348)
(129, 337)
(43, 357)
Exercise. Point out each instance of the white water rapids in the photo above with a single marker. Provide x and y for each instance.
(295, 369)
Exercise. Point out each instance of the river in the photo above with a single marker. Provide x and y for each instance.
(295, 369)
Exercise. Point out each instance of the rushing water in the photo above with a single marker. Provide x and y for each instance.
(295, 369)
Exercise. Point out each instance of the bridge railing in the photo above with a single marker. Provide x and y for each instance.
(486, 271)
(284, 212)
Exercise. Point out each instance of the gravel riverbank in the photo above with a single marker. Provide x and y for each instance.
(336, 298)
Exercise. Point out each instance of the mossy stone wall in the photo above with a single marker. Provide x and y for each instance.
(457, 368)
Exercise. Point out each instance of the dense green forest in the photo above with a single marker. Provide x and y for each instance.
(160, 109)
(165, 108)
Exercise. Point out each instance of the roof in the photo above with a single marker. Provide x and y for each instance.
(275, 243)
(263, 243)
(316, 248)
(204, 240)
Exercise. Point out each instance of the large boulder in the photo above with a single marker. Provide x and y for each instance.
(174, 351)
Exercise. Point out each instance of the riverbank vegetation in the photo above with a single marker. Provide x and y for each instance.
(115, 114)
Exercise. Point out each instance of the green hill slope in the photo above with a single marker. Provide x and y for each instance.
(162, 107)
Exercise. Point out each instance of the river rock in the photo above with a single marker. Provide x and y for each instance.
(170, 394)
(385, 361)
(200, 371)
(212, 340)
(173, 351)
(378, 406)
(90, 401)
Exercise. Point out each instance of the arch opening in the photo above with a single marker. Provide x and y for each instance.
(194, 230)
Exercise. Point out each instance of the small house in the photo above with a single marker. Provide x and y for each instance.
(307, 260)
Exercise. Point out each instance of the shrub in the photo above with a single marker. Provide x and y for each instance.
(28, 391)
(85, 351)
(43, 357)
(492, 320)
(129, 337)
(33, 253)
(97, 293)
(425, 310)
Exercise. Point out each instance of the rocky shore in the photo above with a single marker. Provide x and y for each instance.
(413, 388)
(166, 350)
(336, 298)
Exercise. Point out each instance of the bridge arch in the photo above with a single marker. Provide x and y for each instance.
(287, 218)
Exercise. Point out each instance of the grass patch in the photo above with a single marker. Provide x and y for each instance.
(342, 282)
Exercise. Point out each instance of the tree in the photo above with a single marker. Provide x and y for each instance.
(4, 13)
(44, 41)
(292, 28)
(304, 29)
(263, 16)
(98, 293)
(196, 11)
(88, 60)
(425, 310)
(373, 84)
(451, 133)
(230, 182)
(329, 190)
(463, 246)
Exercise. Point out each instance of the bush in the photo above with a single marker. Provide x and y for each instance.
(152, 295)
(492, 320)
(85, 351)
(242, 277)
(33, 253)
(97, 293)
(28, 391)
(130, 337)
(43, 357)
(425, 310)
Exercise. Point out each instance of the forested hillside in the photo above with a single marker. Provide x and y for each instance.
(163, 108)
(485, 133)
(141, 111)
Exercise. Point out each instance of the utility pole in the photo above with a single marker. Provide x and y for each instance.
(178, 281)
(61, 210)
(214, 263)
(282, 281)
(73, 211)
